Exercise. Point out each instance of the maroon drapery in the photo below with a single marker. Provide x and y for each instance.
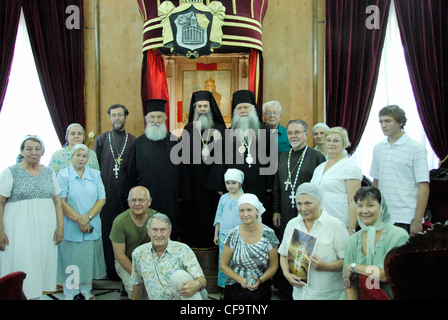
(154, 82)
(9, 22)
(59, 56)
(352, 63)
(256, 77)
(424, 33)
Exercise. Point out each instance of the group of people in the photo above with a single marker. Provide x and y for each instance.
(130, 208)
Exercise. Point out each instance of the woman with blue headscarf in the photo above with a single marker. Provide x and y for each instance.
(367, 248)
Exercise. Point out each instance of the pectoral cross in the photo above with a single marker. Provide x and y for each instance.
(287, 184)
(116, 169)
(293, 199)
(119, 162)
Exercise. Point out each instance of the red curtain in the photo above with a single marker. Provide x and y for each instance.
(353, 56)
(154, 83)
(256, 77)
(423, 28)
(59, 55)
(9, 21)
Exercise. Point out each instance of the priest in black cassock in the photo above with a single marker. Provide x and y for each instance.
(251, 148)
(112, 149)
(295, 167)
(204, 134)
(151, 165)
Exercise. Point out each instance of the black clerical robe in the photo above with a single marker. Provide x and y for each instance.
(151, 166)
(282, 200)
(205, 180)
(114, 186)
(254, 181)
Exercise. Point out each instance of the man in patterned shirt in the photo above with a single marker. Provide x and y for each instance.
(168, 270)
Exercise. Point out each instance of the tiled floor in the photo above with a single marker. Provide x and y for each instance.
(110, 290)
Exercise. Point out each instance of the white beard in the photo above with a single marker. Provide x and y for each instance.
(156, 131)
(244, 123)
(204, 120)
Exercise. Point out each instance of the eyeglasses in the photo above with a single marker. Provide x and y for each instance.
(133, 201)
(119, 115)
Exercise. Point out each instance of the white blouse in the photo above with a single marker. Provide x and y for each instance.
(333, 188)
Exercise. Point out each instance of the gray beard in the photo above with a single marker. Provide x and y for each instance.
(250, 122)
(204, 120)
(156, 132)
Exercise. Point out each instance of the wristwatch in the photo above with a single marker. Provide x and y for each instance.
(352, 267)
(90, 217)
(201, 287)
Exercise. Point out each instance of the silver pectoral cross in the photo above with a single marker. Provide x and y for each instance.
(293, 198)
(116, 169)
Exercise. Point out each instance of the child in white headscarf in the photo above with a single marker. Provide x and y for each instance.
(227, 215)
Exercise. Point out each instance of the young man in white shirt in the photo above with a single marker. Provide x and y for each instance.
(400, 171)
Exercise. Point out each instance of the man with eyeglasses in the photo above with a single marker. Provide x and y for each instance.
(112, 149)
(129, 232)
(272, 115)
(151, 166)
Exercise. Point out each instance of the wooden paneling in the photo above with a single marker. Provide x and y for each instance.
(288, 60)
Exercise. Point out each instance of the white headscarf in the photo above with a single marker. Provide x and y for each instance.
(320, 125)
(234, 175)
(79, 146)
(253, 200)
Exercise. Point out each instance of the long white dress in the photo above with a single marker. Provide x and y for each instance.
(332, 185)
(30, 223)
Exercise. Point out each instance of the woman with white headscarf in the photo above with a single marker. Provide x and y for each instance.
(83, 196)
(324, 281)
(249, 257)
(61, 159)
(367, 248)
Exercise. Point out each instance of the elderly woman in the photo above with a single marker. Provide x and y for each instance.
(318, 132)
(366, 249)
(60, 159)
(83, 196)
(31, 222)
(325, 281)
(338, 178)
(249, 256)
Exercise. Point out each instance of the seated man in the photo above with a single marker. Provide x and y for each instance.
(169, 270)
(129, 231)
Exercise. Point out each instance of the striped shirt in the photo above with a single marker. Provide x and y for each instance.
(399, 168)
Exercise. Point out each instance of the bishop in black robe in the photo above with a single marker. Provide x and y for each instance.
(151, 166)
(258, 173)
(205, 176)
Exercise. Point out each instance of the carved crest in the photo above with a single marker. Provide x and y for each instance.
(192, 29)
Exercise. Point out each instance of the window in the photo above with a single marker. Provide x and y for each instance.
(394, 87)
(24, 109)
